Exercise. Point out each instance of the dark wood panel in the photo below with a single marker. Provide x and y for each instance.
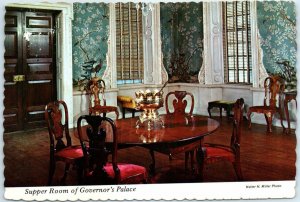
(38, 77)
(11, 21)
(13, 65)
(29, 51)
(10, 101)
(38, 22)
(39, 68)
(38, 45)
(11, 44)
(10, 70)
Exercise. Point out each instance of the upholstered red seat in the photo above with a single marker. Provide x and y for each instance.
(214, 153)
(72, 152)
(129, 173)
(219, 152)
(97, 169)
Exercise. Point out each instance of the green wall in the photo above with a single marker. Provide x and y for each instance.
(90, 31)
(277, 27)
(182, 40)
(182, 37)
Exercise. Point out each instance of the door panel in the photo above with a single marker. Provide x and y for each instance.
(12, 64)
(29, 51)
(38, 66)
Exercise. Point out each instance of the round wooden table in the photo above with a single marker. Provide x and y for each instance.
(180, 134)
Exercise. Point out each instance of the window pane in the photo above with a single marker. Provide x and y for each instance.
(237, 39)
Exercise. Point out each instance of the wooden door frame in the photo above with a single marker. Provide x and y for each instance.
(66, 88)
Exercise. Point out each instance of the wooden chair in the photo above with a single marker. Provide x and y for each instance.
(274, 87)
(212, 153)
(179, 106)
(61, 148)
(97, 169)
(96, 87)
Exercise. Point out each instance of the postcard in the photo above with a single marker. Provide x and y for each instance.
(149, 100)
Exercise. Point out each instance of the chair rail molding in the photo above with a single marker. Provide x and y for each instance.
(213, 41)
(65, 89)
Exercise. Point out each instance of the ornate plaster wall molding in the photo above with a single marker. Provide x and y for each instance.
(262, 72)
(154, 70)
(259, 72)
(213, 41)
(110, 73)
(148, 48)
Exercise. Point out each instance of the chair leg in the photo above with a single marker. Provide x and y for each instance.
(238, 170)
(63, 179)
(51, 171)
(192, 160)
(80, 170)
(249, 118)
(269, 117)
(208, 110)
(186, 160)
(200, 161)
(123, 113)
(281, 120)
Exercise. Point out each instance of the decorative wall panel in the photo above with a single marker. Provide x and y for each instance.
(90, 31)
(182, 40)
(277, 27)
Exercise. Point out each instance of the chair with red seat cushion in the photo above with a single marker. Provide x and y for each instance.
(102, 141)
(274, 86)
(212, 153)
(61, 148)
(180, 103)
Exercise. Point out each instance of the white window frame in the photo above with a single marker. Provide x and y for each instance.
(153, 69)
(213, 41)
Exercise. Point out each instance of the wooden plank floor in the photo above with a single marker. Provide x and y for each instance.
(264, 157)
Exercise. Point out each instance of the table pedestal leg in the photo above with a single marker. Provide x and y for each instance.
(152, 165)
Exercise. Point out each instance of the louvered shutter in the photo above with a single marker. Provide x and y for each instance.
(237, 40)
(129, 42)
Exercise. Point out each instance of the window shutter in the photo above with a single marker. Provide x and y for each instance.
(237, 40)
(129, 40)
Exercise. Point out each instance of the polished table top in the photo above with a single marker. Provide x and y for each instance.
(177, 129)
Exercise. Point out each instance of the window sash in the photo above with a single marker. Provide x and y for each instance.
(237, 42)
(129, 43)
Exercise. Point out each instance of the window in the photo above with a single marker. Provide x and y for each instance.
(237, 42)
(129, 43)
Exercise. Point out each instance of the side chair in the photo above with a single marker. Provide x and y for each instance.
(97, 105)
(100, 156)
(212, 153)
(179, 103)
(274, 87)
(61, 148)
